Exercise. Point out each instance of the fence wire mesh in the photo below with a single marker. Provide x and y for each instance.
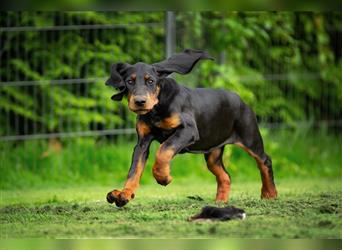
(46, 95)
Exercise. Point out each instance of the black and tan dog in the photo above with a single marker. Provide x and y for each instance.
(185, 120)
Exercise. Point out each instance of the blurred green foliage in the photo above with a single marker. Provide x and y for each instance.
(286, 65)
(72, 54)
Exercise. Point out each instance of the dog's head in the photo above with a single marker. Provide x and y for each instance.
(141, 81)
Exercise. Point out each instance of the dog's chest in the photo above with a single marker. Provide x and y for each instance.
(166, 123)
(164, 127)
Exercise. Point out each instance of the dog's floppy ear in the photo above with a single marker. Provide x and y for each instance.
(181, 63)
(115, 80)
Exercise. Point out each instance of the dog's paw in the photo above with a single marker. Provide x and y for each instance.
(221, 201)
(164, 180)
(268, 193)
(221, 198)
(120, 198)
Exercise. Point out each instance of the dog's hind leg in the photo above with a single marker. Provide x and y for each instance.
(215, 165)
(251, 141)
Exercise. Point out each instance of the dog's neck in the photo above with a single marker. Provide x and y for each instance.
(169, 89)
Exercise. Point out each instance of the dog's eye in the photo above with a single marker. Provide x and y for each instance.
(150, 81)
(130, 82)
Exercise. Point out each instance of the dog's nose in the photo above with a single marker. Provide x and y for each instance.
(140, 101)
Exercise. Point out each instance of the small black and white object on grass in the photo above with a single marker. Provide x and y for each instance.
(219, 214)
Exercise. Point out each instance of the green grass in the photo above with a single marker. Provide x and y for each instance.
(62, 195)
(299, 153)
(308, 208)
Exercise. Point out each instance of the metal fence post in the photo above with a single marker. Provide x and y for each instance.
(170, 27)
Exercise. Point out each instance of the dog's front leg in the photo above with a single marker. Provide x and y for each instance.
(141, 151)
(185, 135)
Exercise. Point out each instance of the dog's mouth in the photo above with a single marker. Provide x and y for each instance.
(141, 111)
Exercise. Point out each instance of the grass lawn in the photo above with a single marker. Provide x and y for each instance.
(309, 208)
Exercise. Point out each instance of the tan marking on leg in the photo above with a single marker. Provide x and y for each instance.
(161, 167)
(116, 192)
(222, 178)
(132, 183)
(143, 129)
(170, 122)
(268, 189)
